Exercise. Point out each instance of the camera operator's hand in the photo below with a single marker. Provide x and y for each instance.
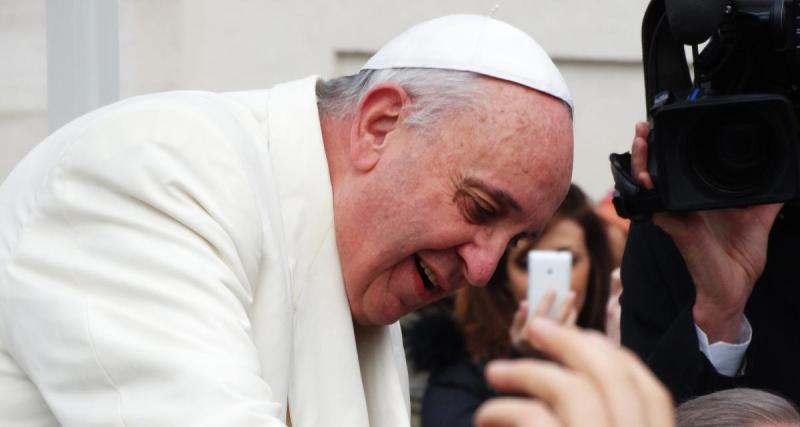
(596, 383)
(725, 251)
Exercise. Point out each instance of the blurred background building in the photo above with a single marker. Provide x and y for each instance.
(102, 50)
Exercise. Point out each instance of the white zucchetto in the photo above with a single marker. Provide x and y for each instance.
(475, 43)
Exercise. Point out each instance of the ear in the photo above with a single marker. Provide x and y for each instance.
(379, 113)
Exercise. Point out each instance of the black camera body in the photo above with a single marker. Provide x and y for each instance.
(724, 152)
(730, 137)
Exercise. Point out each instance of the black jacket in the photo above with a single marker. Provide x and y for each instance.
(456, 386)
(657, 318)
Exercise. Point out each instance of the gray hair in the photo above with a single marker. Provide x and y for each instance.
(433, 92)
(738, 407)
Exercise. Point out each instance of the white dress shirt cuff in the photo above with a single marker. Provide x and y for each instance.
(726, 357)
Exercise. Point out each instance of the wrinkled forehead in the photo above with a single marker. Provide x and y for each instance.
(530, 123)
(512, 109)
(523, 145)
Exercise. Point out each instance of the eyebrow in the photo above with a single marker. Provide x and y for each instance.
(502, 197)
(506, 201)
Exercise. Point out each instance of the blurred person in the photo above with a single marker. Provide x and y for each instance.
(575, 228)
(487, 323)
(241, 259)
(588, 381)
(616, 226)
(710, 301)
(738, 407)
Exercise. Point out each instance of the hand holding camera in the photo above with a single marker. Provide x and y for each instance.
(725, 251)
(712, 168)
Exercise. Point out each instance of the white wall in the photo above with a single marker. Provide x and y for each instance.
(23, 79)
(609, 99)
(224, 45)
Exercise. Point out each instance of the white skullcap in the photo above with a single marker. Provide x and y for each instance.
(474, 43)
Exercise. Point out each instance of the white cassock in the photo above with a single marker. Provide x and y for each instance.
(171, 260)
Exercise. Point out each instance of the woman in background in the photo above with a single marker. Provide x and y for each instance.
(455, 350)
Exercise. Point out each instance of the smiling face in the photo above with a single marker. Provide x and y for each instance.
(426, 213)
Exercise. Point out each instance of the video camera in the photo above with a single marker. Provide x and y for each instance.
(726, 136)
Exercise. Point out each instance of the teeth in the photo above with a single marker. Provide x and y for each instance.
(428, 273)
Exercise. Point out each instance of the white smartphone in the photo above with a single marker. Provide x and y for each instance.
(548, 270)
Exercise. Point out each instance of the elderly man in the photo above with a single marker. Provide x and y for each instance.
(240, 259)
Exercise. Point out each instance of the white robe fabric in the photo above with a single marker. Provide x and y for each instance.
(171, 260)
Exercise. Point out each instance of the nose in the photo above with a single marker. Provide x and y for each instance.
(481, 255)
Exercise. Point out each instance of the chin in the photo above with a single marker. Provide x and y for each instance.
(387, 314)
(374, 320)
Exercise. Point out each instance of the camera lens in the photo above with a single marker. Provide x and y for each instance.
(724, 151)
(764, 17)
(734, 154)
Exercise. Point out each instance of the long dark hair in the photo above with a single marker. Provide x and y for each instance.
(485, 314)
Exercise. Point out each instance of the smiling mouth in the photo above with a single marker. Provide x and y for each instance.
(427, 276)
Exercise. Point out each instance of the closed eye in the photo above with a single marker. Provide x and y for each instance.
(481, 203)
(476, 210)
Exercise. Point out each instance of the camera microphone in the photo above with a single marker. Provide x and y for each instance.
(694, 21)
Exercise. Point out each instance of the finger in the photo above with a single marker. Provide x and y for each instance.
(613, 309)
(639, 156)
(515, 412)
(571, 396)
(520, 316)
(518, 324)
(639, 164)
(637, 135)
(616, 281)
(657, 402)
(613, 297)
(566, 309)
(572, 318)
(546, 302)
(595, 356)
(642, 129)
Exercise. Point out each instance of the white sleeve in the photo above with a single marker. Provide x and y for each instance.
(126, 297)
(726, 357)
